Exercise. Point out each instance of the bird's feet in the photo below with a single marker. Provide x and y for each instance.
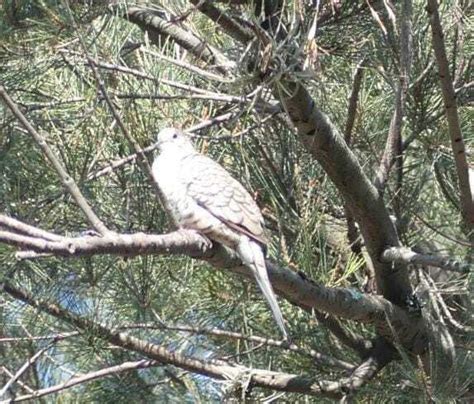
(204, 243)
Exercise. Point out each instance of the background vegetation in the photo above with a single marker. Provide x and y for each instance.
(97, 79)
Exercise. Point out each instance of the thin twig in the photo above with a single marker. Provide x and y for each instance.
(393, 148)
(438, 295)
(65, 178)
(206, 94)
(19, 382)
(142, 159)
(203, 97)
(438, 324)
(23, 369)
(16, 226)
(39, 105)
(137, 73)
(57, 337)
(131, 158)
(451, 110)
(123, 367)
(447, 236)
(408, 256)
(318, 356)
(187, 66)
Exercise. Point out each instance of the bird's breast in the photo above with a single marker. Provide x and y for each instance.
(167, 174)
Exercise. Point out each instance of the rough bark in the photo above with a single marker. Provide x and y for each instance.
(323, 140)
(294, 286)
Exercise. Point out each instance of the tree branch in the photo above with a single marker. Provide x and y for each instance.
(408, 256)
(393, 147)
(65, 178)
(325, 143)
(31, 361)
(112, 370)
(352, 232)
(216, 332)
(381, 355)
(212, 368)
(19, 382)
(149, 21)
(295, 287)
(18, 227)
(353, 101)
(230, 26)
(450, 104)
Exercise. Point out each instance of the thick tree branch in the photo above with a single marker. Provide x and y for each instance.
(295, 287)
(323, 140)
(180, 242)
(450, 104)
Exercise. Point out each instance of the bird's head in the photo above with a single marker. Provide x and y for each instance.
(171, 139)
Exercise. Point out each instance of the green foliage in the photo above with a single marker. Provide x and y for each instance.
(43, 67)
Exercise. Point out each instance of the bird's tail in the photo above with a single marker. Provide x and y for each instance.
(252, 255)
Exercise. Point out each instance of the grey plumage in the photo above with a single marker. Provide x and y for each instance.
(203, 196)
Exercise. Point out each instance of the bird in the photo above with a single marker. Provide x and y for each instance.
(202, 196)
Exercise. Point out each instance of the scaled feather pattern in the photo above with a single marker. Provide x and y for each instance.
(203, 196)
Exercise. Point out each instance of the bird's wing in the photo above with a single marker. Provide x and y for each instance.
(214, 189)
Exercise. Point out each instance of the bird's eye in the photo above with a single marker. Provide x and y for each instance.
(175, 136)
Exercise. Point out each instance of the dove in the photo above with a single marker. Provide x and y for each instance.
(202, 196)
